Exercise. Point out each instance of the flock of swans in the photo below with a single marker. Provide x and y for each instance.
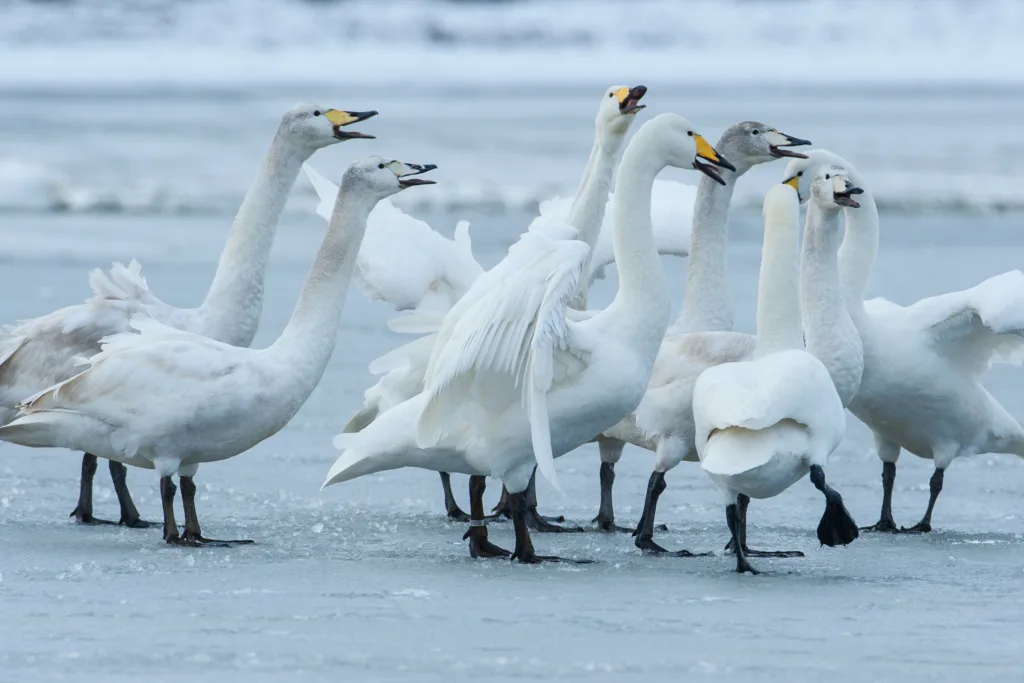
(510, 368)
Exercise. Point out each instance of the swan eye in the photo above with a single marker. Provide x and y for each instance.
(755, 132)
(380, 165)
(800, 174)
(827, 176)
(611, 94)
(690, 133)
(316, 113)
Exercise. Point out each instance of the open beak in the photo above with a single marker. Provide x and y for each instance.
(842, 193)
(629, 99)
(403, 171)
(339, 118)
(706, 152)
(777, 140)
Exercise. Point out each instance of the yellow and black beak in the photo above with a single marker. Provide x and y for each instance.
(629, 99)
(339, 118)
(777, 140)
(794, 182)
(707, 152)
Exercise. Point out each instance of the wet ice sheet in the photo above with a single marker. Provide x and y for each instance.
(367, 581)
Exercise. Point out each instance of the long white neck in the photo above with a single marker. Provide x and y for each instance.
(232, 309)
(830, 333)
(779, 325)
(308, 340)
(642, 304)
(708, 303)
(857, 254)
(588, 207)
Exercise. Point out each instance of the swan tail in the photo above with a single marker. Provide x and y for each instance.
(734, 450)
(122, 282)
(361, 458)
(9, 345)
(58, 429)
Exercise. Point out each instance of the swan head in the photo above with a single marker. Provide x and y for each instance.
(801, 172)
(380, 178)
(752, 142)
(311, 125)
(831, 188)
(618, 109)
(680, 145)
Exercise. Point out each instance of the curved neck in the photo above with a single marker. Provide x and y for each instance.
(235, 301)
(642, 303)
(588, 207)
(829, 330)
(779, 325)
(857, 253)
(308, 339)
(708, 303)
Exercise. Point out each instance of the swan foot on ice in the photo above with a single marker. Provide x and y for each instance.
(885, 522)
(452, 508)
(732, 517)
(479, 546)
(118, 472)
(836, 526)
(193, 533)
(644, 532)
(742, 501)
(935, 488)
(524, 546)
(536, 521)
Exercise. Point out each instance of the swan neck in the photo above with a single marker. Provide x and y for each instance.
(828, 328)
(588, 207)
(708, 303)
(858, 252)
(235, 300)
(642, 303)
(779, 325)
(309, 338)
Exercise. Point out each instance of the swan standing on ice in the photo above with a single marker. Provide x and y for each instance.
(663, 422)
(762, 424)
(510, 361)
(431, 273)
(167, 399)
(38, 353)
(921, 389)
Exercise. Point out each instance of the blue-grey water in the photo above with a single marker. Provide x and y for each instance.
(367, 581)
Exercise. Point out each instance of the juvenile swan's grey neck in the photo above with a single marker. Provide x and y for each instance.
(708, 303)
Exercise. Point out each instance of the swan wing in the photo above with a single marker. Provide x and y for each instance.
(974, 327)
(507, 339)
(791, 386)
(402, 260)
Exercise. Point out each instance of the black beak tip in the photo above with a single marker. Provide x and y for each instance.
(725, 163)
(855, 190)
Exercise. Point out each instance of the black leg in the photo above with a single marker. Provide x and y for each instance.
(742, 502)
(524, 546)
(935, 488)
(193, 533)
(535, 520)
(644, 534)
(129, 514)
(167, 493)
(605, 519)
(836, 526)
(83, 511)
(503, 510)
(885, 521)
(732, 518)
(479, 546)
(452, 508)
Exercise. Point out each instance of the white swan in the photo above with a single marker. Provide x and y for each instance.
(167, 399)
(921, 389)
(664, 420)
(509, 363)
(430, 272)
(37, 353)
(762, 424)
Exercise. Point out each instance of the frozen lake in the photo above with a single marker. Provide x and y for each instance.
(367, 581)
